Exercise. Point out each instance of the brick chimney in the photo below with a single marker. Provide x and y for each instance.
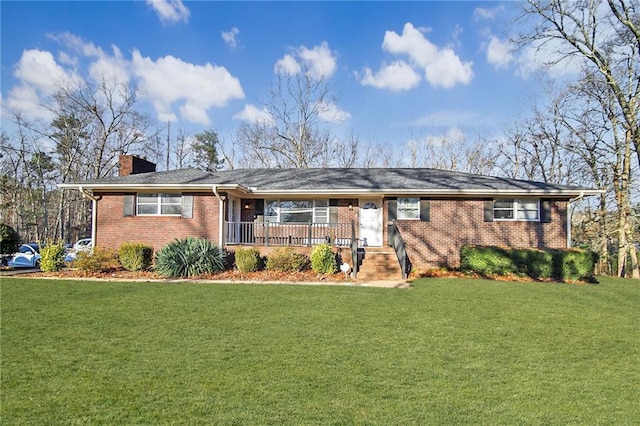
(132, 164)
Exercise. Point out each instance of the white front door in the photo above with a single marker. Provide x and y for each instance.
(371, 223)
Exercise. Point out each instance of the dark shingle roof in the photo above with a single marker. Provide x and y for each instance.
(327, 179)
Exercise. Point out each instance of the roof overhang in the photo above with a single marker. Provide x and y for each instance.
(119, 187)
(430, 192)
(347, 192)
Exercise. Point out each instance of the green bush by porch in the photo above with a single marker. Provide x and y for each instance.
(323, 259)
(247, 259)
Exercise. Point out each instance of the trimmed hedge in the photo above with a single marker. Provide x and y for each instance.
(135, 256)
(247, 259)
(563, 265)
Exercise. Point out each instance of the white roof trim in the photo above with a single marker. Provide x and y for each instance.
(335, 192)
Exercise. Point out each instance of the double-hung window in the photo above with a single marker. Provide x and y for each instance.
(516, 209)
(409, 208)
(296, 211)
(159, 204)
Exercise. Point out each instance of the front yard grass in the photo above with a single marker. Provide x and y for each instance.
(446, 351)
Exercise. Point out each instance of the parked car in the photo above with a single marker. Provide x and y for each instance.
(28, 256)
(83, 244)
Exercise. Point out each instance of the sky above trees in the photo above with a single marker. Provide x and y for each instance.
(400, 71)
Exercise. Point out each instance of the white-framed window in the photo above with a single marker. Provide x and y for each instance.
(409, 208)
(159, 204)
(516, 209)
(296, 211)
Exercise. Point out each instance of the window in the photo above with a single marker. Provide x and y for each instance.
(409, 208)
(159, 204)
(296, 211)
(509, 209)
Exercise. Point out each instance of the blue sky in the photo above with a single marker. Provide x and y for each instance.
(401, 71)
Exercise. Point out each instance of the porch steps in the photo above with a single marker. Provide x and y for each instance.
(379, 263)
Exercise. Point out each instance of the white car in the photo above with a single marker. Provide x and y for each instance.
(83, 244)
(28, 256)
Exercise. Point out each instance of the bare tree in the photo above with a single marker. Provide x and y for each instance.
(606, 35)
(295, 131)
(114, 124)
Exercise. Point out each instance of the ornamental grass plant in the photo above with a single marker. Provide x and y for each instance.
(189, 257)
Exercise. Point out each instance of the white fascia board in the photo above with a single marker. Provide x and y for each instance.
(159, 186)
(429, 192)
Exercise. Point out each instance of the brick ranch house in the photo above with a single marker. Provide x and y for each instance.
(390, 220)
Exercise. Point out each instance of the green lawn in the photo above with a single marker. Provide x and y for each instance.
(444, 352)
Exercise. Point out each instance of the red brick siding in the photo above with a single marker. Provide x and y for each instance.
(456, 222)
(113, 228)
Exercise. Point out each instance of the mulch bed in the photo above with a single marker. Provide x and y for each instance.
(231, 275)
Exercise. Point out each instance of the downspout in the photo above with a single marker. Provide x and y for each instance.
(94, 213)
(571, 200)
(214, 188)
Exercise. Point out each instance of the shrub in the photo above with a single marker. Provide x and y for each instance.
(9, 240)
(486, 260)
(135, 256)
(247, 259)
(563, 265)
(323, 260)
(190, 256)
(98, 260)
(575, 264)
(52, 257)
(286, 259)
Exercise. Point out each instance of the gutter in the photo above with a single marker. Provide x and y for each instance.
(569, 214)
(221, 199)
(94, 212)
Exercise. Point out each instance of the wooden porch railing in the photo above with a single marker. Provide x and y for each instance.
(288, 234)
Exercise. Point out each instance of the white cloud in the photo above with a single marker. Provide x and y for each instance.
(253, 115)
(287, 65)
(484, 13)
(170, 11)
(26, 100)
(396, 76)
(499, 52)
(329, 112)
(229, 37)
(200, 87)
(38, 68)
(110, 68)
(442, 67)
(548, 56)
(319, 61)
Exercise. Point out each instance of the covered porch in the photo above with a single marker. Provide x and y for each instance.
(268, 234)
